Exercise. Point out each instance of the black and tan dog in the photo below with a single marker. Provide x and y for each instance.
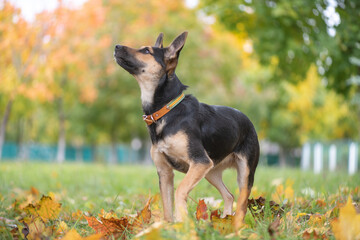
(194, 138)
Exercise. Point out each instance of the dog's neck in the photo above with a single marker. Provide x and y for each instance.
(169, 87)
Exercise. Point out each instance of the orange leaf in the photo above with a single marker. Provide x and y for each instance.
(113, 225)
(110, 226)
(78, 215)
(144, 216)
(215, 213)
(34, 191)
(321, 203)
(201, 210)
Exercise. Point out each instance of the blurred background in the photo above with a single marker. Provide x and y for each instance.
(292, 66)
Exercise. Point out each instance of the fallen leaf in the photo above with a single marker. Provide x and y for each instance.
(215, 213)
(72, 235)
(223, 225)
(321, 203)
(38, 229)
(273, 228)
(46, 208)
(110, 214)
(78, 215)
(34, 191)
(62, 228)
(257, 208)
(347, 226)
(317, 220)
(144, 215)
(201, 210)
(312, 234)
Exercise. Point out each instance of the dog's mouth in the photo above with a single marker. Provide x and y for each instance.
(131, 65)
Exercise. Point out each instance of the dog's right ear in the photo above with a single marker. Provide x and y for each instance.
(159, 41)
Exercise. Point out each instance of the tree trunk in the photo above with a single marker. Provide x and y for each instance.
(60, 156)
(79, 153)
(23, 140)
(4, 124)
(282, 157)
(113, 153)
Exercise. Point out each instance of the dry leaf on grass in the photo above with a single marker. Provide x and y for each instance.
(201, 210)
(46, 208)
(347, 226)
(120, 228)
(223, 225)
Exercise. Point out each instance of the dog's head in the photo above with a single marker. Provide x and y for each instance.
(150, 63)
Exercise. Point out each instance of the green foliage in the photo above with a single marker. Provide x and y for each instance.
(297, 34)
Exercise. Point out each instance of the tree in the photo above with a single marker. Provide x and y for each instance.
(297, 34)
(20, 56)
(71, 51)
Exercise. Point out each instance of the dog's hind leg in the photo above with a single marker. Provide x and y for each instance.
(246, 162)
(215, 178)
(196, 172)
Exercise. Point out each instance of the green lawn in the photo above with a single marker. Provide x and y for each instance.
(125, 189)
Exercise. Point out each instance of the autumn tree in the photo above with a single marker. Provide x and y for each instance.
(71, 52)
(20, 50)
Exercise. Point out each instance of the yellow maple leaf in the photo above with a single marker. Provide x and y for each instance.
(347, 226)
(49, 209)
(46, 208)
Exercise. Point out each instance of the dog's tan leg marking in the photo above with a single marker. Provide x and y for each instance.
(215, 178)
(195, 173)
(166, 182)
(242, 179)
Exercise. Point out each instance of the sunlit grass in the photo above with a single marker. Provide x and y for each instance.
(125, 189)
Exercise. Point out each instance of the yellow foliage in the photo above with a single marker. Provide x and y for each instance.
(319, 112)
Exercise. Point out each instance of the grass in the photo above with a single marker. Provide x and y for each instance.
(125, 189)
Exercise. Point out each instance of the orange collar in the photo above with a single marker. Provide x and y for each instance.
(150, 119)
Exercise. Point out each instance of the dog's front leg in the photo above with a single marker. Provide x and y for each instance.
(166, 182)
(196, 172)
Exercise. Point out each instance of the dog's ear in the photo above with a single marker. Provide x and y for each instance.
(159, 41)
(172, 52)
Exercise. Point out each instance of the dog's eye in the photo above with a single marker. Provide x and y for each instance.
(146, 51)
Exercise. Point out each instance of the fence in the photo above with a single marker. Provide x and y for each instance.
(317, 156)
(47, 153)
(332, 156)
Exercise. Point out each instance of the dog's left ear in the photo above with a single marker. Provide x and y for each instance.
(173, 51)
(159, 41)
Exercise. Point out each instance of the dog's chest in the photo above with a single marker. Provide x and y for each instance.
(175, 146)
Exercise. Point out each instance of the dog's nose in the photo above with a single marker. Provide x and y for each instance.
(117, 47)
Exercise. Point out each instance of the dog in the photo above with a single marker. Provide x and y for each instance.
(197, 139)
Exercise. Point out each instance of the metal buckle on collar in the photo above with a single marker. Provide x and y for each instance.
(145, 118)
(152, 118)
